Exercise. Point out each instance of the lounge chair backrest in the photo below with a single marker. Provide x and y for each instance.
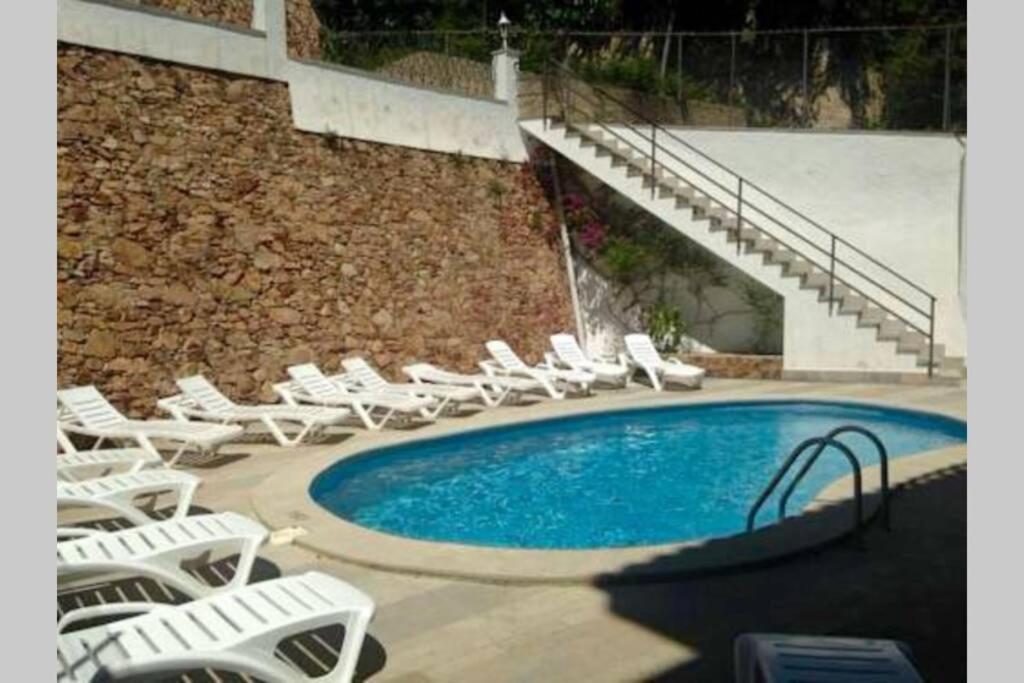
(641, 348)
(312, 381)
(360, 371)
(202, 391)
(505, 355)
(568, 350)
(89, 407)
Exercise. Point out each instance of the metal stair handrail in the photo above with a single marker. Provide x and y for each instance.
(822, 443)
(566, 93)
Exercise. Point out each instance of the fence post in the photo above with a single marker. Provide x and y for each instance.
(945, 89)
(732, 65)
(807, 95)
(679, 69)
(545, 84)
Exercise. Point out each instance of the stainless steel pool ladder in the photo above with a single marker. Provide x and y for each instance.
(822, 443)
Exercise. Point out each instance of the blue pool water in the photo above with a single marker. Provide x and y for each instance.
(625, 478)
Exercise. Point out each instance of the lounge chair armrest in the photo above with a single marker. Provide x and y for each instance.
(625, 361)
(551, 361)
(492, 369)
(75, 428)
(181, 408)
(69, 532)
(286, 390)
(117, 609)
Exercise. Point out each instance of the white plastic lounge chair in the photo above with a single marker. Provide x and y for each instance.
(84, 465)
(200, 399)
(309, 385)
(87, 412)
(642, 352)
(236, 630)
(492, 390)
(119, 491)
(359, 372)
(506, 362)
(569, 354)
(772, 658)
(157, 551)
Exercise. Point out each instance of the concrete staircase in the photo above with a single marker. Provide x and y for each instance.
(832, 327)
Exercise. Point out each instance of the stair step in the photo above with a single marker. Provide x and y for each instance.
(815, 280)
(912, 341)
(851, 303)
(717, 212)
(871, 316)
(891, 330)
(957, 364)
(799, 266)
(939, 359)
(746, 234)
(782, 256)
(684, 195)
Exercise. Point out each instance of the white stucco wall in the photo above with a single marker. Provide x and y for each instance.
(324, 98)
(149, 32)
(897, 196)
(351, 104)
(727, 323)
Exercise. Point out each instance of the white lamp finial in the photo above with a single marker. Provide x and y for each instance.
(503, 24)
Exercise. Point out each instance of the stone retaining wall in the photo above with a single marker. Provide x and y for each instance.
(199, 231)
(235, 12)
(303, 24)
(736, 366)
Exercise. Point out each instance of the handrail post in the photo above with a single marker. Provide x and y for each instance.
(654, 166)
(832, 276)
(739, 216)
(931, 339)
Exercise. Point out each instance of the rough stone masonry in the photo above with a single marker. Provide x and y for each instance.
(198, 231)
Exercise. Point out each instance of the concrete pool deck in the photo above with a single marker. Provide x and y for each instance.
(908, 584)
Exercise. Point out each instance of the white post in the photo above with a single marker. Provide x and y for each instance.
(259, 15)
(269, 16)
(505, 68)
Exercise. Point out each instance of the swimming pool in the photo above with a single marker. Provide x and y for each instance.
(611, 479)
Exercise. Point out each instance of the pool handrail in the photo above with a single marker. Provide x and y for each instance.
(823, 442)
(883, 460)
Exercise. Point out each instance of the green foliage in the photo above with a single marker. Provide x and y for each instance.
(636, 73)
(664, 326)
(623, 258)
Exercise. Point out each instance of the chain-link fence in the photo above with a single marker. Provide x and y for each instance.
(894, 78)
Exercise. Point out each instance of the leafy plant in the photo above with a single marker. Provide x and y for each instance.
(664, 326)
(623, 258)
